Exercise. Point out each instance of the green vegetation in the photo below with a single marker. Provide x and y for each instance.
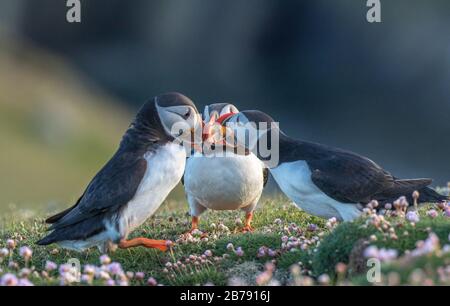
(304, 250)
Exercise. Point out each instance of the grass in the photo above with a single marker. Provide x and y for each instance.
(304, 248)
(342, 244)
(171, 221)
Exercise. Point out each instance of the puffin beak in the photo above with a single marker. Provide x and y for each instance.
(207, 128)
(214, 127)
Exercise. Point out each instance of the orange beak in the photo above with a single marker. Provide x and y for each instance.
(211, 127)
(207, 128)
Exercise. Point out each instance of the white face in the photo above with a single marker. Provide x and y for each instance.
(179, 121)
(229, 108)
(241, 132)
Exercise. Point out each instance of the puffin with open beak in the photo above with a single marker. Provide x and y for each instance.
(129, 189)
(220, 180)
(324, 181)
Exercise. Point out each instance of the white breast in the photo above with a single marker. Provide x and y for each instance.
(294, 179)
(224, 183)
(165, 168)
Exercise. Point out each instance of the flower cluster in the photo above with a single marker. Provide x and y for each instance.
(191, 264)
(383, 255)
(265, 278)
(107, 273)
(427, 246)
(265, 251)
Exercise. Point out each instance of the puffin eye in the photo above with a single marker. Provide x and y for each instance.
(188, 113)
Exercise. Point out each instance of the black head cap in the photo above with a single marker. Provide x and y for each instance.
(173, 99)
(257, 116)
(147, 126)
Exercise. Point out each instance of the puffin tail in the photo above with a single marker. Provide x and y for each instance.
(58, 216)
(428, 195)
(49, 239)
(407, 187)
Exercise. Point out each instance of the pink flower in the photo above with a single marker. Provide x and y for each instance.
(208, 253)
(403, 202)
(152, 282)
(9, 280)
(25, 252)
(86, 279)
(263, 278)
(324, 279)
(371, 252)
(239, 252)
(271, 253)
(261, 252)
(89, 269)
(11, 244)
(4, 252)
(387, 254)
(139, 275)
(341, 268)
(427, 246)
(381, 254)
(447, 212)
(23, 282)
(374, 203)
(50, 266)
(25, 272)
(312, 227)
(269, 267)
(432, 213)
(65, 268)
(115, 268)
(412, 216)
(105, 260)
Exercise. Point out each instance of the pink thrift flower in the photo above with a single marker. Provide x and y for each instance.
(105, 260)
(432, 213)
(239, 252)
(50, 266)
(11, 244)
(139, 275)
(152, 282)
(9, 280)
(23, 282)
(115, 268)
(25, 252)
(412, 216)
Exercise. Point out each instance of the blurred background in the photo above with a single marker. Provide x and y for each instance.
(69, 91)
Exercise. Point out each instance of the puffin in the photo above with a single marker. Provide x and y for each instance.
(148, 164)
(217, 181)
(324, 181)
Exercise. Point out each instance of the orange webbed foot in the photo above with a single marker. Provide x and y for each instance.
(161, 245)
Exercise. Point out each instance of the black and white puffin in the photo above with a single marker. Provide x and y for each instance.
(148, 164)
(324, 181)
(218, 182)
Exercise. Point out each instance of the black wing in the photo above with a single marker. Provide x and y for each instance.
(113, 187)
(349, 178)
